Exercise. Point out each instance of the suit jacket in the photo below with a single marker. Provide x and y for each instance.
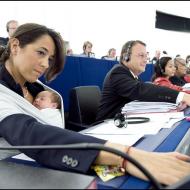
(23, 129)
(180, 81)
(120, 87)
(177, 80)
(3, 41)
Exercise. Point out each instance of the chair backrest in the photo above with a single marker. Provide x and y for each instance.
(83, 104)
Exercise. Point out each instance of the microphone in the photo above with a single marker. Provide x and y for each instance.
(91, 54)
(90, 146)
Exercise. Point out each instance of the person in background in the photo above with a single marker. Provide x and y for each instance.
(178, 56)
(188, 59)
(69, 52)
(164, 69)
(188, 63)
(11, 26)
(165, 52)
(87, 50)
(111, 55)
(148, 57)
(156, 57)
(121, 84)
(35, 50)
(181, 77)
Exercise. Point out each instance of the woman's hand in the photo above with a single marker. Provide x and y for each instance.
(167, 168)
(186, 99)
(182, 106)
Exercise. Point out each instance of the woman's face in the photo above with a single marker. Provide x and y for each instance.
(33, 60)
(88, 48)
(170, 68)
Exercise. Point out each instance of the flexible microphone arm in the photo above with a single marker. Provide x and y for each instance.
(90, 146)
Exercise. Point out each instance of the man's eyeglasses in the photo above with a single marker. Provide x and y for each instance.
(142, 55)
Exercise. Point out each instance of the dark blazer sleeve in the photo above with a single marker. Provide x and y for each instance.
(21, 129)
(125, 85)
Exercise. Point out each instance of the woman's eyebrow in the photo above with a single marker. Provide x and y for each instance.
(45, 49)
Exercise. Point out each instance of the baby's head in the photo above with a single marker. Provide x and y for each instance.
(47, 99)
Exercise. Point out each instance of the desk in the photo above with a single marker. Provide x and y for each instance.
(161, 142)
(81, 71)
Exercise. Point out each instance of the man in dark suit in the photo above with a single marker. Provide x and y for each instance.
(121, 84)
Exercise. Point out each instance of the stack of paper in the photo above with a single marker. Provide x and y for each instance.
(136, 107)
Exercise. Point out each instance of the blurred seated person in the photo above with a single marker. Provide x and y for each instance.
(69, 52)
(148, 57)
(188, 64)
(165, 52)
(156, 57)
(188, 59)
(87, 50)
(11, 26)
(164, 69)
(111, 55)
(180, 78)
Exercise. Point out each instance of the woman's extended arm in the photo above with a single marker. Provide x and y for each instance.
(167, 168)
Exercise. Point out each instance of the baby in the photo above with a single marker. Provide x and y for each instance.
(50, 103)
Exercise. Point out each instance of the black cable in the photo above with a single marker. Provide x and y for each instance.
(90, 146)
(121, 120)
(138, 120)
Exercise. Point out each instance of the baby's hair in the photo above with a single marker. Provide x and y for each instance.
(56, 99)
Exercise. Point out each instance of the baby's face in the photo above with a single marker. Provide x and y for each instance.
(43, 100)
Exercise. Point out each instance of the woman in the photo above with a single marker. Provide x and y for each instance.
(35, 50)
(87, 50)
(181, 77)
(164, 70)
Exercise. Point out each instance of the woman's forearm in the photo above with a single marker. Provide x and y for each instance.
(167, 168)
(106, 158)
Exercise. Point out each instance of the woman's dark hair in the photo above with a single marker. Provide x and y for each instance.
(30, 32)
(159, 67)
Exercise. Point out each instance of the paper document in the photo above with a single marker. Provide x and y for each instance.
(122, 139)
(136, 107)
(157, 122)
